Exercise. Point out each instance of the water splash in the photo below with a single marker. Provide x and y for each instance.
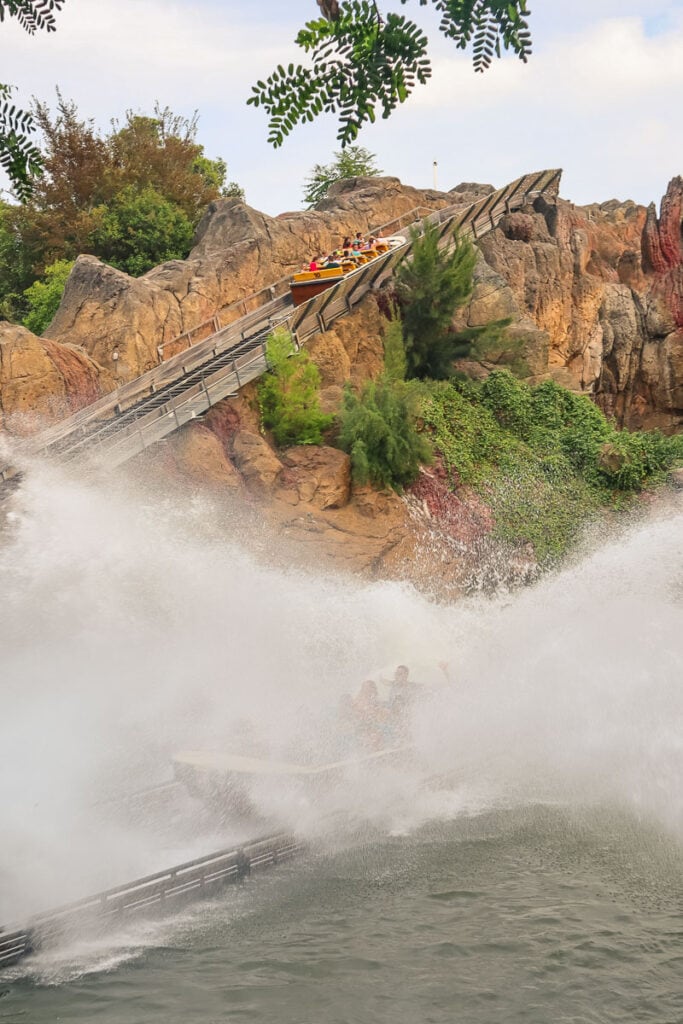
(133, 626)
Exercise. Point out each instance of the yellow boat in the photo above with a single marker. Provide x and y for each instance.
(308, 283)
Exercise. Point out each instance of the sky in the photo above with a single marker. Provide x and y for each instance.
(600, 96)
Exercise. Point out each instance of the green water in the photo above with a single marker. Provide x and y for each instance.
(534, 915)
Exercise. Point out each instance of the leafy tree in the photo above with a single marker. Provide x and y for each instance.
(86, 171)
(215, 173)
(76, 180)
(430, 286)
(15, 273)
(162, 151)
(353, 162)
(362, 60)
(140, 229)
(289, 398)
(43, 297)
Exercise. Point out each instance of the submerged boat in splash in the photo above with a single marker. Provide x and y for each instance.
(228, 782)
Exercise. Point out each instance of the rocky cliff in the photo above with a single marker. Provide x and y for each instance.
(595, 295)
(604, 287)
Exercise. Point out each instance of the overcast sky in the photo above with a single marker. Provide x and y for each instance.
(600, 97)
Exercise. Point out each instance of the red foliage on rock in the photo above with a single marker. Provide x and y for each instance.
(461, 514)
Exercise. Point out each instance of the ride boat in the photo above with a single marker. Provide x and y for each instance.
(308, 283)
(228, 782)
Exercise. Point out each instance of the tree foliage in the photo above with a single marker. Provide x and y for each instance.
(139, 229)
(352, 162)
(15, 271)
(378, 430)
(85, 170)
(43, 297)
(362, 61)
(430, 286)
(289, 398)
(112, 194)
(395, 361)
(19, 157)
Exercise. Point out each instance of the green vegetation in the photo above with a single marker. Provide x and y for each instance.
(378, 430)
(43, 297)
(140, 229)
(545, 460)
(362, 59)
(132, 196)
(354, 162)
(289, 399)
(378, 426)
(430, 286)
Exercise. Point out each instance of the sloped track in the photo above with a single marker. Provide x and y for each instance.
(144, 411)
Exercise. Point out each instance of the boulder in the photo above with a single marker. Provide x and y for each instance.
(256, 461)
(318, 476)
(199, 456)
(42, 381)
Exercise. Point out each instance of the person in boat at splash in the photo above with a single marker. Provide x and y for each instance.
(316, 263)
(372, 718)
(358, 242)
(403, 694)
(332, 262)
(347, 245)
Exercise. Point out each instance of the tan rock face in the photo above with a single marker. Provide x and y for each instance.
(199, 456)
(238, 250)
(595, 294)
(318, 476)
(42, 381)
(256, 461)
(604, 286)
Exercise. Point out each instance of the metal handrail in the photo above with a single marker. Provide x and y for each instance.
(159, 889)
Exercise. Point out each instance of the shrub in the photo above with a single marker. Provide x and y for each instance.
(509, 399)
(43, 297)
(546, 460)
(289, 399)
(378, 430)
(395, 363)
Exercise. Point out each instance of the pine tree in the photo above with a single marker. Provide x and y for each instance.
(378, 429)
(430, 286)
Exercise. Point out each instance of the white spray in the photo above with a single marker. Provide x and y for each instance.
(133, 627)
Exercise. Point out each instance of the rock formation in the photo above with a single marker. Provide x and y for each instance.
(595, 295)
(41, 380)
(599, 289)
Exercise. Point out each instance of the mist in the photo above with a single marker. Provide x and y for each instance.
(133, 627)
